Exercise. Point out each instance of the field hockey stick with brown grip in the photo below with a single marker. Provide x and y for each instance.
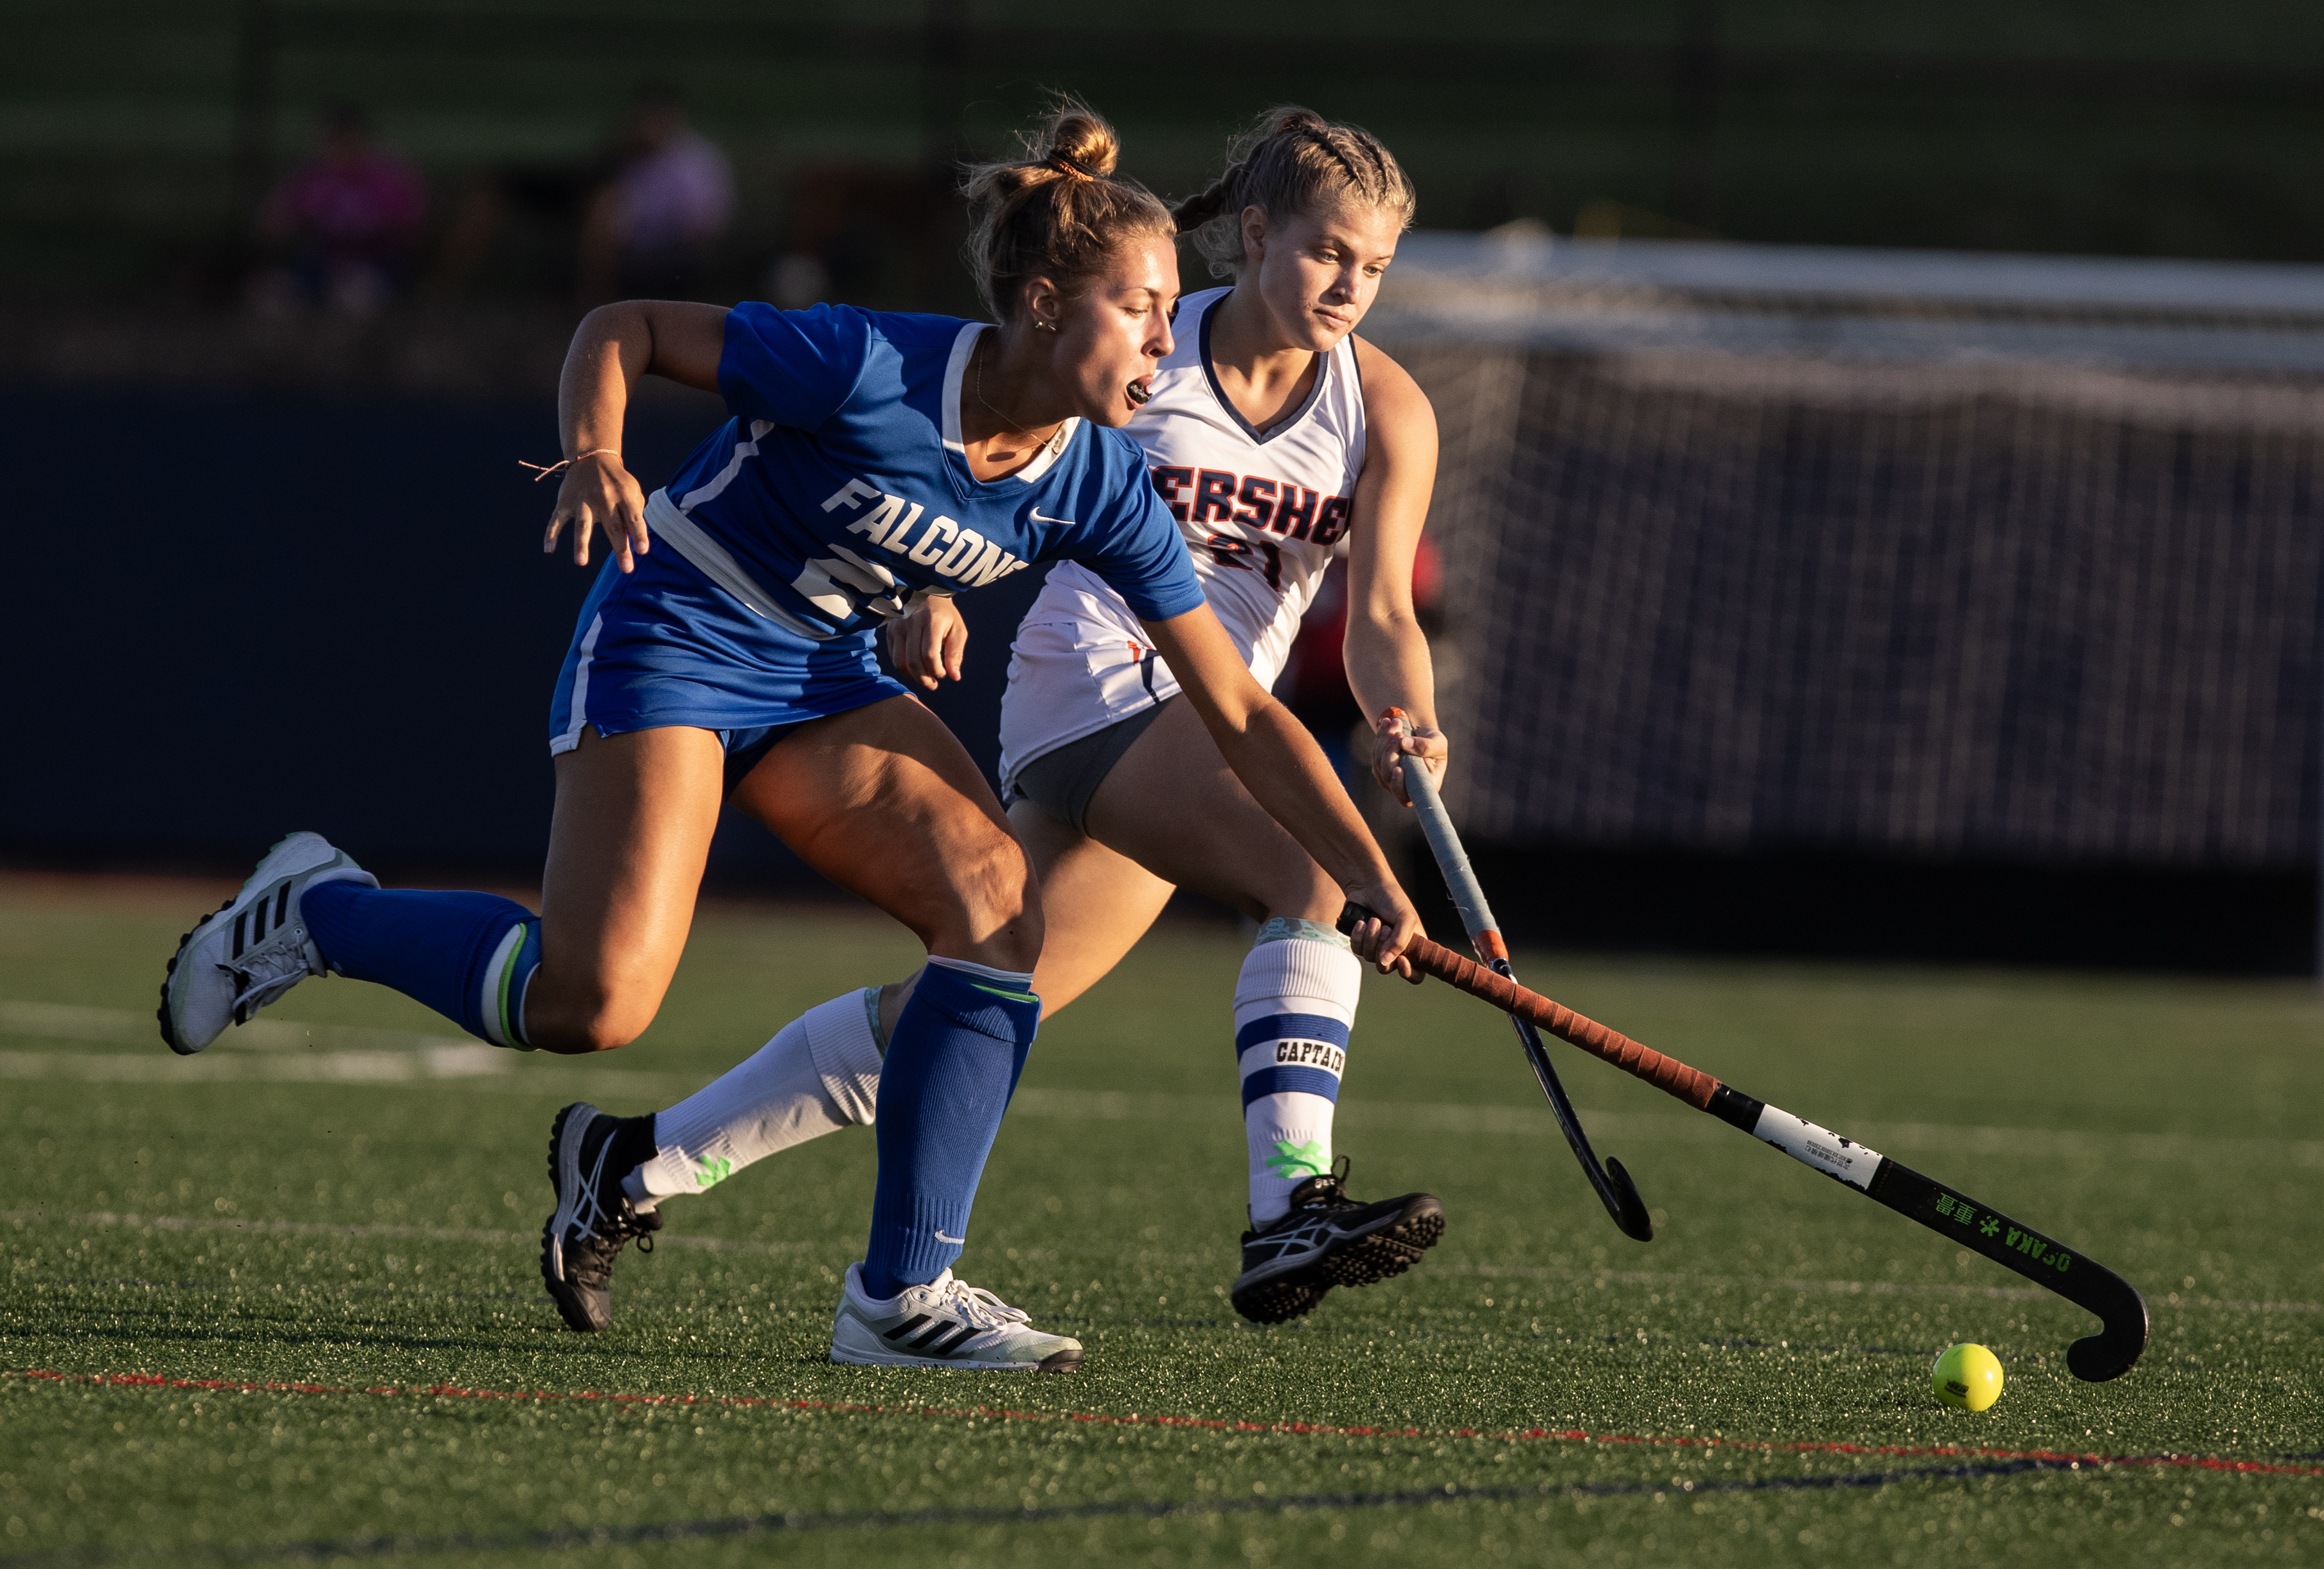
(1964, 1221)
(1612, 1184)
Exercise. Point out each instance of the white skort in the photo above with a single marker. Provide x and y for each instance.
(1081, 662)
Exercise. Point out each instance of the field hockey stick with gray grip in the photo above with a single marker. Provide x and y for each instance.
(1965, 1222)
(1611, 1182)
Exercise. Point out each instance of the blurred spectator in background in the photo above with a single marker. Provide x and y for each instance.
(641, 214)
(651, 232)
(344, 225)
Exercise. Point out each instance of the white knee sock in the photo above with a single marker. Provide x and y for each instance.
(819, 1073)
(1294, 1003)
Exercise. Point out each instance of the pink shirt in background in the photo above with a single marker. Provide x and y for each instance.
(675, 198)
(368, 207)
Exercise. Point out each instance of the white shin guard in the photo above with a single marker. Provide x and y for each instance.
(1295, 1001)
(819, 1073)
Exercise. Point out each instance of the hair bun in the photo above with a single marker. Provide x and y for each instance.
(1086, 142)
(1057, 212)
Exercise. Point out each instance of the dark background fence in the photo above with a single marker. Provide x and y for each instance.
(1868, 659)
(245, 614)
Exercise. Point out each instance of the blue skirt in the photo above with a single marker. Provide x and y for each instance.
(665, 645)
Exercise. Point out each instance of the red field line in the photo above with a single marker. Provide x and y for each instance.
(1000, 1413)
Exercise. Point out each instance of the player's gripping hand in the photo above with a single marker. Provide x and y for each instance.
(1381, 938)
(598, 493)
(926, 646)
(1396, 737)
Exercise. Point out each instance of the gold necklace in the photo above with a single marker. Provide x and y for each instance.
(1008, 425)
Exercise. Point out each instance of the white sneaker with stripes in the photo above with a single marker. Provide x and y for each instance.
(944, 1324)
(254, 948)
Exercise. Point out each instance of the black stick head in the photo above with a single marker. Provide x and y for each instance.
(2115, 1349)
(1629, 1210)
(2090, 1286)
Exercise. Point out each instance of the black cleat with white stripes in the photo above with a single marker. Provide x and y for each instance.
(1328, 1239)
(589, 1153)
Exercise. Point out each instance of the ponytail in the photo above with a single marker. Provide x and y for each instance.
(1292, 161)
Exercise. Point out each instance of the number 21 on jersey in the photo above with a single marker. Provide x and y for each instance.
(1229, 551)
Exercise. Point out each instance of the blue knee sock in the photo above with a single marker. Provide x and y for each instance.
(468, 955)
(952, 1066)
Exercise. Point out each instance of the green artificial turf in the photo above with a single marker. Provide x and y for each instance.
(1754, 1383)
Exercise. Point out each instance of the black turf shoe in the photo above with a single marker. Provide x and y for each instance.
(589, 1153)
(1326, 1240)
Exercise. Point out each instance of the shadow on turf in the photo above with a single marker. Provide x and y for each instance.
(1134, 1509)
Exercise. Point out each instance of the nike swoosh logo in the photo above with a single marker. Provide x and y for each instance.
(1068, 523)
(955, 1242)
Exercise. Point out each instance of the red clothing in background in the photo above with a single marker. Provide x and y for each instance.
(367, 206)
(1315, 680)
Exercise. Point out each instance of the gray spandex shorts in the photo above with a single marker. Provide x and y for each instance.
(1063, 782)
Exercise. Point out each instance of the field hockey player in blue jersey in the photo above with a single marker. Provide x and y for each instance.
(1275, 438)
(726, 652)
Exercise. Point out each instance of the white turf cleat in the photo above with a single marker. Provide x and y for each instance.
(943, 1325)
(254, 948)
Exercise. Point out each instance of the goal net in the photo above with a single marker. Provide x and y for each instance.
(2011, 558)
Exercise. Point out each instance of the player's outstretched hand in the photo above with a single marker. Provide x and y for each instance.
(1381, 939)
(926, 646)
(598, 493)
(1396, 737)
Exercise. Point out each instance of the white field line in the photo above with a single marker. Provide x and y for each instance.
(277, 1049)
(330, 1067)
(64, 1022)
(286, 1051)
(107, 1218)
(1647, 1128)
(1848, 1287)
(479, 1067)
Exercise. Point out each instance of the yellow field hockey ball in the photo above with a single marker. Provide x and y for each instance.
(1967, 1377)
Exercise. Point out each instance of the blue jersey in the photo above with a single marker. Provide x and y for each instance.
(840, 493)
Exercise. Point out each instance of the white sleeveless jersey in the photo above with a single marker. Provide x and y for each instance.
(1260, 511)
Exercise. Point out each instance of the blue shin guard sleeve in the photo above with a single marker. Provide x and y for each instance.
(951, 1067)
(468, 955)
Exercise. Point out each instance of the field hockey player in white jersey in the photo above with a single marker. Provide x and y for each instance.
(727, 652)
(1275, 438)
